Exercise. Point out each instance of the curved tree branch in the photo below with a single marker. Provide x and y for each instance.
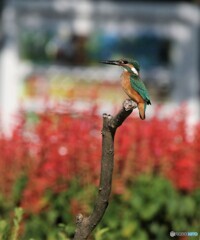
(85, 225)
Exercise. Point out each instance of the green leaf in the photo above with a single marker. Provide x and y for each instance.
(129, 229)
(17, 220)
(100, 232)
(141, 235)
(149, 211)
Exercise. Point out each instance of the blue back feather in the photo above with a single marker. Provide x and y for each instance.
(138, 86)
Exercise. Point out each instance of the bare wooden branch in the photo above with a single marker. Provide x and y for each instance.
(85, 225)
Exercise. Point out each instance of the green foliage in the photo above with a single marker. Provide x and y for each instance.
(16, 223)
(149, 208)
(58, 220)
(10, 230)
(99, 234)
(4, 230)
(18, 188)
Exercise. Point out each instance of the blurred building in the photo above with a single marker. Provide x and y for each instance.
(42, 39)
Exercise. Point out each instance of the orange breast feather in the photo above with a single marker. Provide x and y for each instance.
(126, 85)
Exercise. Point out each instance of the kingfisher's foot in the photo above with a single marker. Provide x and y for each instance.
(129, 104)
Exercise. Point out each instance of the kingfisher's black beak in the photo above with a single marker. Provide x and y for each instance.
(111, 62)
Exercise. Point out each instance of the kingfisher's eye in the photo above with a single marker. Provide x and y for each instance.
(125, 62)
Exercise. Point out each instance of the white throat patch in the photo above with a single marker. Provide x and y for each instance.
(135, 71)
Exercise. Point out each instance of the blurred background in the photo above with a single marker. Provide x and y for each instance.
(50, 74)
(50, 50)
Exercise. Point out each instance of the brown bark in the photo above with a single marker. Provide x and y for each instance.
(85, 225)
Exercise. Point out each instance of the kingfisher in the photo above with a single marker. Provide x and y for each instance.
(132, 84)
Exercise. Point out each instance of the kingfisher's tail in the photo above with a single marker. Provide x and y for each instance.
(142, 109)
